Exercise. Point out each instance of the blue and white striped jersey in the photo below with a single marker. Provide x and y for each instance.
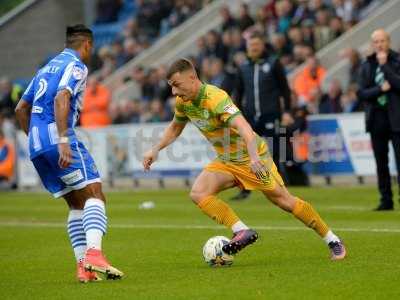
(65, 71)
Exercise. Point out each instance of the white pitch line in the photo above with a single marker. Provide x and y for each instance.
(188, 227)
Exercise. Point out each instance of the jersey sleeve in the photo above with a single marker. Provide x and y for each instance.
(74, 76)
(226, 109)
(29, 93)
(180, 116)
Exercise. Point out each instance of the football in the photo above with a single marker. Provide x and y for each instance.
(213, 254)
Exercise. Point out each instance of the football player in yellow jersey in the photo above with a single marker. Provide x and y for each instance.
(242, 159)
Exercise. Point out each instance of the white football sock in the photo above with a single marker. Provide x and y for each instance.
(239, 225)
(330, 237)
(94, 222)
(76, 233)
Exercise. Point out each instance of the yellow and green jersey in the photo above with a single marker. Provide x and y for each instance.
(211, 112)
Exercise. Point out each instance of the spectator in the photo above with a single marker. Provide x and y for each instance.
(295, 36)
(307, 83)
(260, 86)
(95, 105)
(214, 46)
(126, 111)
(7, 161)
(379, 89)
(136, 112)
(107, 11)
(283, 10)
(228, 21)
(238, 43)
(315, 5)
(330, 101)
(244, 20)
(349, 100)
(295, 126)
(131, 29)
(8, 126)
(181, 11)
(156, 112)
(307, 29)
(323, 34)
(117, 52)
(9, 96)
(108, 62)
(348, 10)
(131, 49)
(302, 12)
(219, 77)
(147, 17)
(336, 27)
(354, 59)
(280, 45)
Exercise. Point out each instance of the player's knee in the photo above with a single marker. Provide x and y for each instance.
(283, 200)
(286, 202)
(78, 205)
(197, 195)
(95, 191)
(99, 195)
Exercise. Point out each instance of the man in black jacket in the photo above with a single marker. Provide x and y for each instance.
(380, 90)
(260, 86)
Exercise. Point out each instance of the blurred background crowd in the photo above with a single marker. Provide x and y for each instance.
(294, 30)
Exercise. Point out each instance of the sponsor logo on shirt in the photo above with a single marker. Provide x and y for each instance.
(231, 109)
(37, 109)
(205, 114)
(202, 124)
(77, 73)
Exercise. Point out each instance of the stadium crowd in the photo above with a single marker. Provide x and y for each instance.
(294, 31)
(151, 20)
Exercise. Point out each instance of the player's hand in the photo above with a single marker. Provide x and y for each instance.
(382, 57)
(148, 158)
(385, 86)
(257, 166)
(65, 155)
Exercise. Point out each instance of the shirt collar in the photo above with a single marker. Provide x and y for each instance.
(72, 53)
(200, 95)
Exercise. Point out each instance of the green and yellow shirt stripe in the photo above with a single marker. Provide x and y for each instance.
(211, 112)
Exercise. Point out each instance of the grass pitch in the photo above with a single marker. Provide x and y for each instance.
(160, 249)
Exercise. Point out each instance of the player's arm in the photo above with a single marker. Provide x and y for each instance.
(246, 132)
(61, 111)
(171, 133)
(24, 107)
(73, 78)
(23, 114)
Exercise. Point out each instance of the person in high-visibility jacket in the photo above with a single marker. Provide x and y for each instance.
(7, 159)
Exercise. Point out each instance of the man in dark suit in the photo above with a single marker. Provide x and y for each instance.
(380, 90)
(261, 84)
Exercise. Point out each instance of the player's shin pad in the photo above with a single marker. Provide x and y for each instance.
(307, 214)
(218, 210)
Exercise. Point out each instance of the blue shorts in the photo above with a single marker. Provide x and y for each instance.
(80, 173)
